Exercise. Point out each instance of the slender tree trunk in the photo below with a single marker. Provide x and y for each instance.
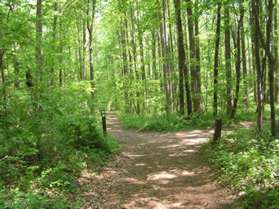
(238, 61)
(256, 37)
(60, 73)
(39, 36)
(134, 49)
(84, 69)
(90, 21)
(271, 65)
(228, 60)
(183, 71)
(125, 62)
(198, 58)
(193, 66)
(244, 68)
(163, 36)
(216, 61)
(171, 73)
(54, 26)
(39, 72)
(3, 80)
(276, 52)
(16, 68)
(154, 57)
(80, 47)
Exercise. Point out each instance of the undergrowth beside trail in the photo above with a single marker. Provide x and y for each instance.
(42, 153)
(249, 164)
(175, 122)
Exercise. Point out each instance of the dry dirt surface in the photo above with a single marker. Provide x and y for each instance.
(156, 171)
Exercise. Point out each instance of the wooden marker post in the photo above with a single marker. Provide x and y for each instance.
(104, 122)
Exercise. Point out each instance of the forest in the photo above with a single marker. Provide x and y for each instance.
(139, 104)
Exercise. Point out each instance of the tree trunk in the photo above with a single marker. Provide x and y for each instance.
(125, 62)
(16, 68)
(164, 46)
(3, 80)
(238, 61)
(54, 26)
(228, 60)
(193, 66)
(271, 66)
(256, 37)
(244, 67)
(181, 55)
(39, 36)
(216, 61)
(276, 52)
(154, 57)
(198, 58)
(90, 21)
(134, 49)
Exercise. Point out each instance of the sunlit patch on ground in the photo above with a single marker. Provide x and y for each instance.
(161, 171)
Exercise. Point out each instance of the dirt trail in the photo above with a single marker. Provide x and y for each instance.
(156, 171)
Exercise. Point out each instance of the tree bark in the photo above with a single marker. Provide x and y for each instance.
(181, 55)
(228, 60)
(271, 65)
(125, 61)
(238, 61)
(256, 37)
(276, 52)
(216, 61)
(91, 6)
(164, 46)
(193, 66)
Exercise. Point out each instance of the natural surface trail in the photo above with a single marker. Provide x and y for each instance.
(156, 171)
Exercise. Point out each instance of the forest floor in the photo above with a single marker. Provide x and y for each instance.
(156, 171)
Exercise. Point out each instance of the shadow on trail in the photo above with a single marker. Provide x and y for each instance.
(161, 171)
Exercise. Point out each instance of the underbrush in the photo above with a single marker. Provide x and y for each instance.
(42, 152)
(248, 164)
(170, 122)
(174, 122)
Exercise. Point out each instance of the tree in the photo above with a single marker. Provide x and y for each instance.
(193, 62)
(90, 11)
(256, 33)
(228, 59)
(216, 60)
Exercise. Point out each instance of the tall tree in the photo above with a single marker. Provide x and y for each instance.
(91, 7)
(228, 59)
(256, 33)
(271, 64)
(181, 55)
(238, 59)
(193, 61)
(216, 60)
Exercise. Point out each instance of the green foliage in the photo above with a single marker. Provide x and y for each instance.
(260, 200)
(174, 122)
(21, 200)
(45, 150)
(250, 164)
(170, 122)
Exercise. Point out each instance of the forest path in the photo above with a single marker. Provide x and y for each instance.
(156, 171)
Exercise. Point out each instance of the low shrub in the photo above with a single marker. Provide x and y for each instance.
(171, 122)
(248, 164)
(43, 152)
